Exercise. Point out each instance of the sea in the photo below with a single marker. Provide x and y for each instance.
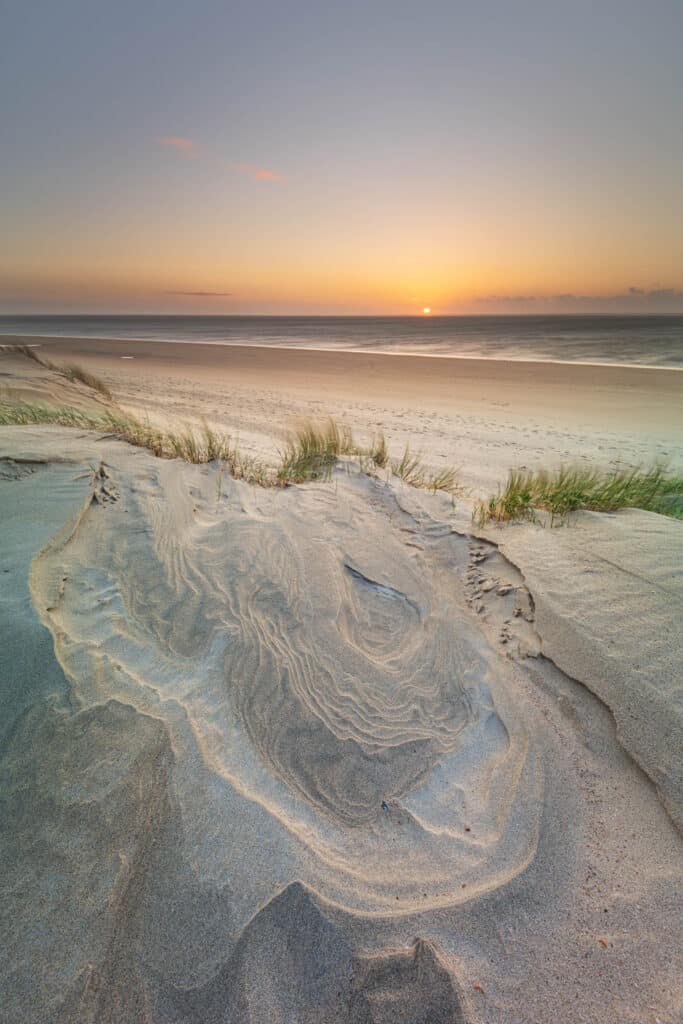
(625, 340)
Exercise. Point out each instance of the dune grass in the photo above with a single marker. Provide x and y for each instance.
(312, 451)
(75, 372)
(412, 471)
(72, 371)
(23, 413)
(198, 447)
(24, 350)
(447, 480)
(310, 454)
(409, 468)
(575, 487)
(378, 451)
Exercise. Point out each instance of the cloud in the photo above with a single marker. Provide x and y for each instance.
(255, 172)
(631, 300)
(203, 295)
(188, 147)
(179, 143)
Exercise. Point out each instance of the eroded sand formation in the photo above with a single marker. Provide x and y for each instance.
(296, 755)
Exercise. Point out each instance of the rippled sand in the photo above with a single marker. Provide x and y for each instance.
(277, 765)
(328, 753)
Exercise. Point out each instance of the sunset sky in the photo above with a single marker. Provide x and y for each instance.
(356, 157)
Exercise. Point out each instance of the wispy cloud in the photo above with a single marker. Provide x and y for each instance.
(179, 143)
(255, 172)
(188, 147)
(204, 295)
(632, 300)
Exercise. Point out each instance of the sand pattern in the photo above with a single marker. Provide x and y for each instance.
(627, 647)
(279, 765)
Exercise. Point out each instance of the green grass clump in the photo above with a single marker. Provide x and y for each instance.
(312, 452)
(118, 423)
(32, 412)
(574, 487)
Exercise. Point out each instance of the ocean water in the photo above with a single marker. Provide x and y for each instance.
(644, 340)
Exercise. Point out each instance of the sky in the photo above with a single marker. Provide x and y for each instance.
(359, 157)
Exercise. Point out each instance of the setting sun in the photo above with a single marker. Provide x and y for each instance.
(427, 310)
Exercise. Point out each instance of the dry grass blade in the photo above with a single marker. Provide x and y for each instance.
(379, 453)
(74, 372)
(24, 350)
(410, 469)
(446, 480)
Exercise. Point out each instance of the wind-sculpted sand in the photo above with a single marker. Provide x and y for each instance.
(276, 764)
(330, 676)
(609, 607)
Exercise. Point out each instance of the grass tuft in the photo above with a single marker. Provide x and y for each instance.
(72, 371)
(75, 372)
(378, 451)
(574, 487)
(312, 452)
(410, 469)
(24, 350)
(446, 480)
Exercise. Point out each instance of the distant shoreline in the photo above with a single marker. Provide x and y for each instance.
(37, 339)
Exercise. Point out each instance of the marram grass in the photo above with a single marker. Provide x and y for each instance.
(71, 370)
(74, 372)
(412, 471)
(312, 451)
(572, 488)
(198, 447)
(310, 454)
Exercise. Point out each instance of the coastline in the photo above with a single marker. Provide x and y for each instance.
(482, 415)
(35, 339)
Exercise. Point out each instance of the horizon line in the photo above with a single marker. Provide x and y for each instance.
(349, 316)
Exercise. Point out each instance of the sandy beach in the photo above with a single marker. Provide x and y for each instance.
(482, 416)
(330, 752)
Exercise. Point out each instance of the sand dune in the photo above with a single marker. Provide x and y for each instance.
(609, 609)
(322, 754)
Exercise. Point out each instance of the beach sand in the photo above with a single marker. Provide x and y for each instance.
(481, 415)
(330, 753)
